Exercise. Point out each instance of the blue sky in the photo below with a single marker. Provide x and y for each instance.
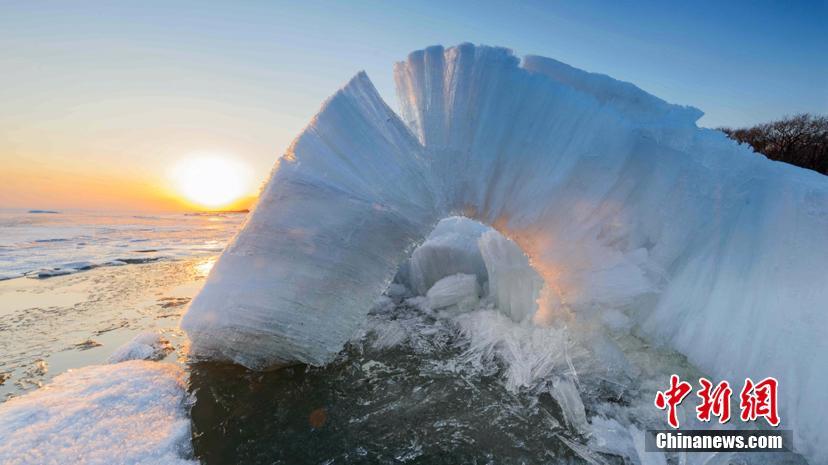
(140, 82)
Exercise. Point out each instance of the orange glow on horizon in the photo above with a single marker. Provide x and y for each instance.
(62, 187)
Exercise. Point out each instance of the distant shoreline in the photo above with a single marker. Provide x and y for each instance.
(219, 212)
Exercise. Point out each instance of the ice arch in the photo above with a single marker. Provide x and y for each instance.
(617, 196)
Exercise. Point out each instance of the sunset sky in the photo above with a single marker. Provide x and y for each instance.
(103, 104)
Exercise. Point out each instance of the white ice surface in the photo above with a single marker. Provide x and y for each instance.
(617, 197)
(127, 413)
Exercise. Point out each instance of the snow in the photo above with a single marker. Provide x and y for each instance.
(128, 413)
(145, 346)
(618, 199)
(458, 291)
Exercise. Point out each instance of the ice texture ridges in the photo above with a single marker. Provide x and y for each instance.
(513, 283)
(620, 201)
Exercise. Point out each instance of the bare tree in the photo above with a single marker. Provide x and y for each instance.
(800, 140)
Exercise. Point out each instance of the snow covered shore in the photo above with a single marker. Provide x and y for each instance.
(127, 413)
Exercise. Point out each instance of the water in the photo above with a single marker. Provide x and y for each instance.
(50, 325)
(69, 241)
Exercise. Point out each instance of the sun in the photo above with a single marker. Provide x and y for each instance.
(211, 180)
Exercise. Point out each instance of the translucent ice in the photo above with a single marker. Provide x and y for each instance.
(566, 394)
(458, 291)
(450, 249)
(530, 353)
(619, 200)
(513, 283)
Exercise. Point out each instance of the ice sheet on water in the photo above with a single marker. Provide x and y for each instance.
(43, 246)
(619, 200)
(127, 413)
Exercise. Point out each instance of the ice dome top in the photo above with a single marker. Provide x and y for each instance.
(618, 198)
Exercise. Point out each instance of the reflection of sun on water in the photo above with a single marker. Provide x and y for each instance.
(203, 268)
(211, 181)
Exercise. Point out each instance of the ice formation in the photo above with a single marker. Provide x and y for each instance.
(128, 413)
(450, 249)
(145, 346)
(513, 283)
(619, 200)
(460, 291)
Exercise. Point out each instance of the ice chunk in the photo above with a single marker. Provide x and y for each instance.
(79, 266)
(565, 393)
(450, 249)
(128, 413)
(50, 272)
(389, 335)
(459, 291)
(145, 346)
(513, 283)
(619, 200)
(610, 437)
(530, 353)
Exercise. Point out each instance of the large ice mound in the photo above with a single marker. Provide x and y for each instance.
(128, 413)
(619, 200)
